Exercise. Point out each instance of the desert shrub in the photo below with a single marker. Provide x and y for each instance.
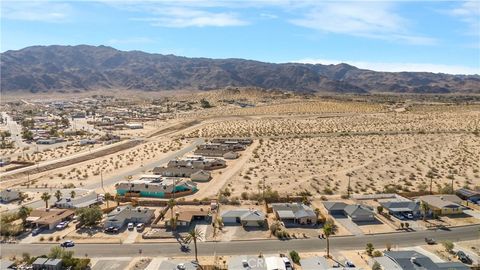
(295, 257)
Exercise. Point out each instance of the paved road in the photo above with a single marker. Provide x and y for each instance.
(402, 239)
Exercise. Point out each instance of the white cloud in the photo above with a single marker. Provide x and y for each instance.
(41, 11)
(397, 66)
(189, 17)
(375, 19)
(469, 13)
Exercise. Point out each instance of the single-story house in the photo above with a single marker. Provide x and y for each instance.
(246, 262)
(47, 264)
(125, 214)
(245, 217)
(171, 264)
(8, 195)
(200, 176)
(294, 213)
(468, 195)
(335, 208)
(87, 200)
(231, 155)
(49, 217)
(186, 216)
(359, 213)
(443, 204)
(314, 263)
(354, 212)
(396, 208)
(413, 260)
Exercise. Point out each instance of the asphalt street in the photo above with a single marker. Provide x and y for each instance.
(401, 239)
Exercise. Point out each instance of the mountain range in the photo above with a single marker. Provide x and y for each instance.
(84, 67)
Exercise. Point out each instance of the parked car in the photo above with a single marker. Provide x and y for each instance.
(288, 264)
(68, 243)
(130, 226)
(409, 216)
(36, 231)
(464, 257)
(62, 225)
(349, 264)
(111, 230)
(430, 241)
(140, 227)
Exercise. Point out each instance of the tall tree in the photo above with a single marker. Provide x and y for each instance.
(45, 197)
(327, 231)
(171, 204)
(424, 208)
(108, 197)
(23, 213)
(58, 195)
(194, 235)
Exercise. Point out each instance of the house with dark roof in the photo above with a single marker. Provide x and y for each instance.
(354, 212)
(413, 260)
(468, 195)
(398, 208)
(294, 213)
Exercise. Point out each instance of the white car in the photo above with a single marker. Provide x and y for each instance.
(130, 226)
(62, 225)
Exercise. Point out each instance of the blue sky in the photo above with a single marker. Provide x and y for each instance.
(436, 36)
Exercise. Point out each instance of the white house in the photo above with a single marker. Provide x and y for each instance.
(8, 195)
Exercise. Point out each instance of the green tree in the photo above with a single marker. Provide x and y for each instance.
(45, 197)
(23, 213)
(171, 204)
(194, 235)
(424, 208)
(108, 197)
(72, 194)
(380, 209)
(376, 266)
(89, 216)
(27, 134)
(295, 257)
(58, 195)
(369, 249)
(327, 231)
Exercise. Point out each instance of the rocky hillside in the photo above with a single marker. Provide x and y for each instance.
(80, 68)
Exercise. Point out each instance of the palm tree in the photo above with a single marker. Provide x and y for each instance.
(108, 197)
(424, 208)
(45, 197)
(171, 203)
(72, 194)
(327, 231)
(58, 195)
(194, 235)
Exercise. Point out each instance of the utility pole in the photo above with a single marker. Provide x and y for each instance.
(348, 188)
(101, 178)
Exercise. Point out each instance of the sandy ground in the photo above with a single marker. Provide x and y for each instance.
(320, 165)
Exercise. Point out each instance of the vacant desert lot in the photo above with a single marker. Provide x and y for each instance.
(320, 165)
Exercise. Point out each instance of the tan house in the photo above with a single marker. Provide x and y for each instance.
(185, 216)
(443, 204)
(49, 217)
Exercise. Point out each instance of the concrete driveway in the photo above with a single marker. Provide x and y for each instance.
(348, 224)
(473, 213)
(111, 264)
